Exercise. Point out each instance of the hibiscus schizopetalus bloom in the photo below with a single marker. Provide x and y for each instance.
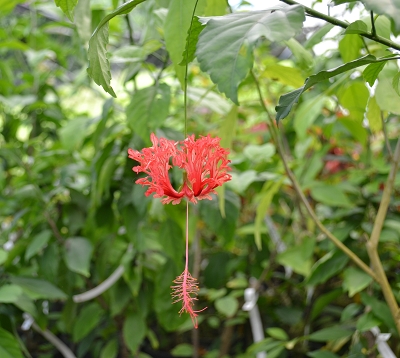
(205, 164)
(204, 161)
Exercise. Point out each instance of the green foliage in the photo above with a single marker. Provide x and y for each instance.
(238, 34)
(74, 223)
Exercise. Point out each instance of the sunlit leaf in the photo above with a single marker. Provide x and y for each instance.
(78, 252)
(67, 6)
(287, 101)
(355, 280)
(9, 346)
(357, 27)
(237, 34)
(99, 66)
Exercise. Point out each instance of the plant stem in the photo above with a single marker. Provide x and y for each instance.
(301, 195)
(372, 244)
(372, 36)
(186, 69)
(373, 29)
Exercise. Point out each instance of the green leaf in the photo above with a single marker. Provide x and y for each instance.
(237, 34)
(390, 8)
(298, 257)
(83, 20)
(372, 71)
(330, 195)
(134, 331)
(287, 101)
(191, 41)
(148, 109)
(374, 115)
(37, 243)
(396, 83)
(386, 96)
(349, 47)
(317, 36)
(77, 255)
(216, 8)
(9, 347)
(67, 6)
(259, 153)
(38, 289)
(330, 334)
(367, 321)
(322, 354)
(303, 56)
(227, 306)
(326, 267)
(73, 133)
(270, 188)
(182, 350)
(322, 301)
(357, 27)
(278, 333)
(176, 27)
(99, 66)
(379, 309)
(355, 280)
(88, 319)
(289, 76)
(3, 256)
(110, 350)
(354, 97)
(306, 114)
(10, 293)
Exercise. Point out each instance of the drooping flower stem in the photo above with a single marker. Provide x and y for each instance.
(185, 286)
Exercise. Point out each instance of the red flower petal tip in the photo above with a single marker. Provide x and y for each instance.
(186, 290)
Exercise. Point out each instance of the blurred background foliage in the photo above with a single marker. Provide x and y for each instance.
(71, 215)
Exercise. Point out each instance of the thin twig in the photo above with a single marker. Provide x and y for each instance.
(372, 244)
(344, 25)
(373, 30)
(303, 198)
(128, 24)
(55, 341)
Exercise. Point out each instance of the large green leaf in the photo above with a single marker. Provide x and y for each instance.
(88, 318)
(355, 280)
(327, 266)
(134, 331)
(99, 66)
(287, 101)
(390, 8)
(37, 289)
(9, 347)
(225, 46)
(78, 252)
(177, 24)
(148, 109)
(67, 6)
(330, 334)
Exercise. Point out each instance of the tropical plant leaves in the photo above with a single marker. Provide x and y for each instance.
(67, 6)
(237, 34)
(287, 101)
(148, 109)
(99, 66)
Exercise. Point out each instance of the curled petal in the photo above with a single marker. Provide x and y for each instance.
(154, 161)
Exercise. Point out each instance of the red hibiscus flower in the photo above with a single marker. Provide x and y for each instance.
(205, 166)
(203, 160)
